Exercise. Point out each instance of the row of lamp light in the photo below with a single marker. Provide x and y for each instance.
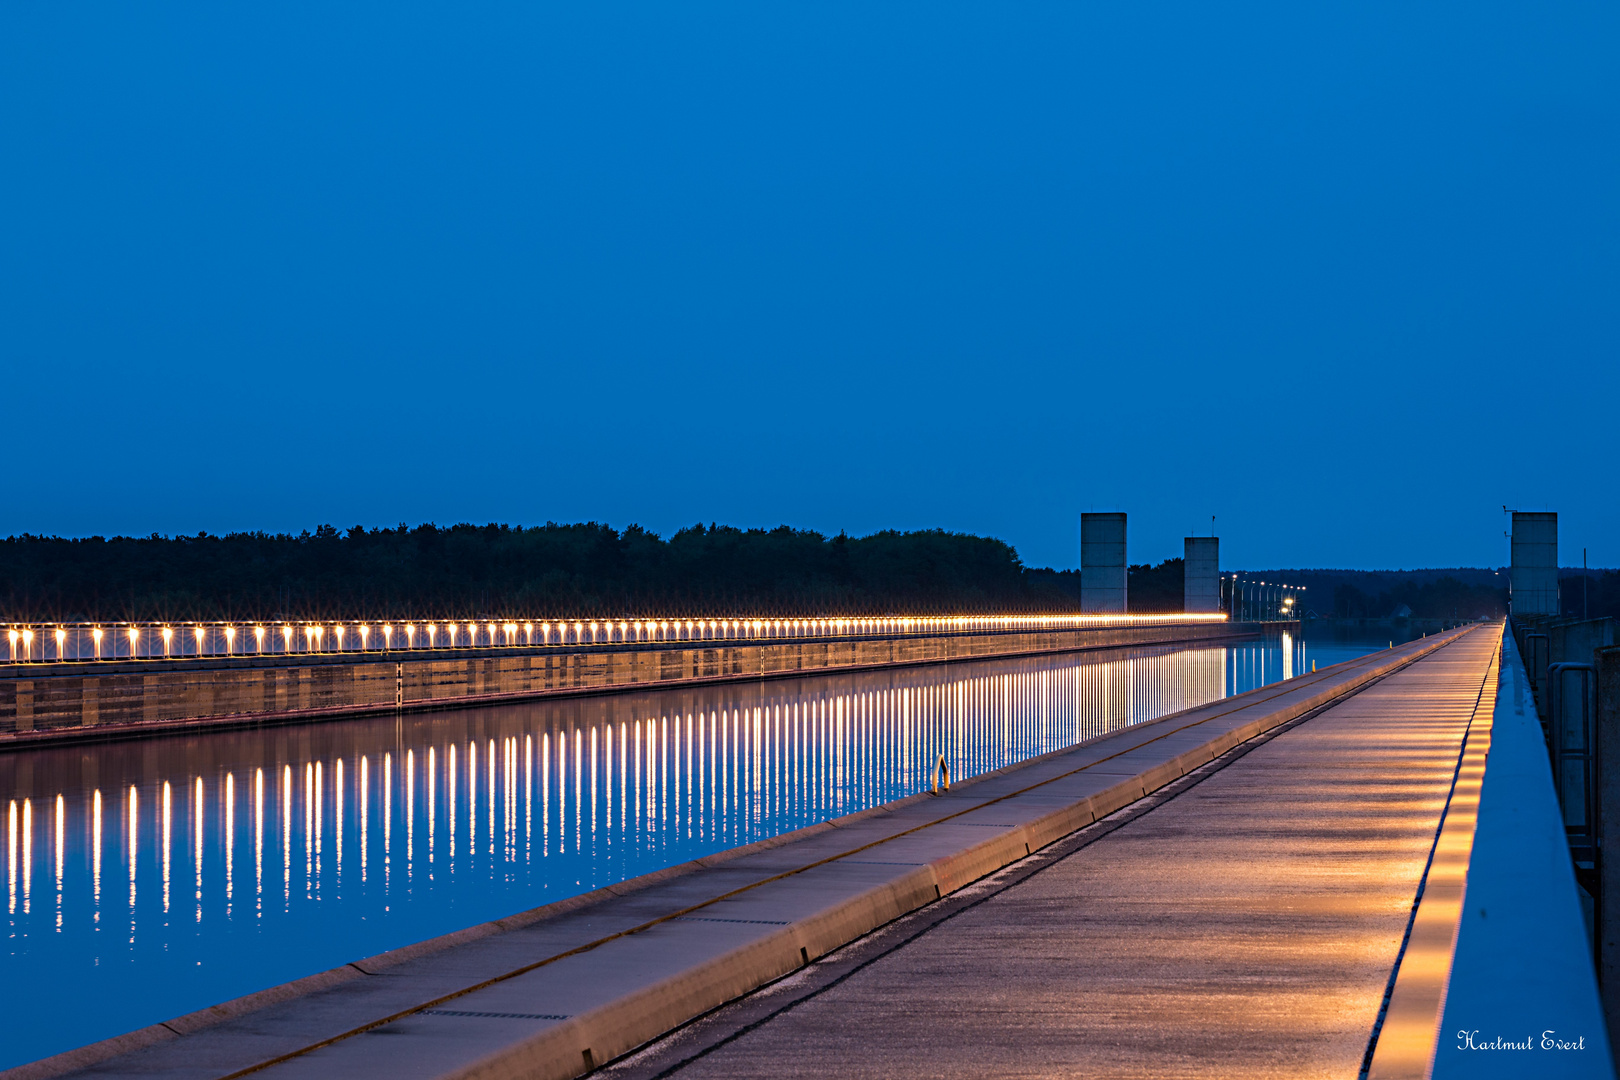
(82, 641)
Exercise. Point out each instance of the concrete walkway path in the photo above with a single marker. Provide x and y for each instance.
(1246, 927)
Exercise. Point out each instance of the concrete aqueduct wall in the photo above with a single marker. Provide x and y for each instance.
(55, 702)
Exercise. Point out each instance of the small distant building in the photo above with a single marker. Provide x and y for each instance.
(1401, 612)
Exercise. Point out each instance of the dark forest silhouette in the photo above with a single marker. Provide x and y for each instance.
(499, 570)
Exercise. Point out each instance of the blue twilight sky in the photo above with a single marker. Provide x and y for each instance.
(1344, 274)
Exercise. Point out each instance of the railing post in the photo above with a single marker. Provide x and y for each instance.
(1571, 712)
(1607, 662)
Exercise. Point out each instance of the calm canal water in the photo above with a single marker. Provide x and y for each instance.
(147, 879)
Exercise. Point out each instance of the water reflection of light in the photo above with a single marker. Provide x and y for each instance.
(95, 863)
(337, 808)
(365, 802)
(388, 818)
(168, 835)
(60, 812)
(286, 836)
(230, 843)
(134, 819)
(319, 813)
(11, 858)
(258, 842)
(309, 830)
(197, 843)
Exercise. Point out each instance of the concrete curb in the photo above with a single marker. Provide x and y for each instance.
(1411, 1027)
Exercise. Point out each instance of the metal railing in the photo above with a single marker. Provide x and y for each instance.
(1571, 691)
(71, 642)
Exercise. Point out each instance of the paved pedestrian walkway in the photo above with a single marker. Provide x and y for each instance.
(1248, 927)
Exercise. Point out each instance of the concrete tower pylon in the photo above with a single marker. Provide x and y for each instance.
(1201, 569)
(1102, 564)
(1533, 572)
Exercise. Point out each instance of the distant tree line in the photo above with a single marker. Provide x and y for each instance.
(1446, 598)
(1156, 588)
(1455, 593)
(1600, 596)
(552, 570)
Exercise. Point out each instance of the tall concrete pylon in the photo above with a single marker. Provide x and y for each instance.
(1533, 573)
(1102, 564)
(1201, 569)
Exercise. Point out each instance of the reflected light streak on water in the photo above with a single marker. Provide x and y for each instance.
(534, 803)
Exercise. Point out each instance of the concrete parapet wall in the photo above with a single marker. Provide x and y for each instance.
(53, 702)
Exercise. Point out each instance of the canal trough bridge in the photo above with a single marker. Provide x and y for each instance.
(1356, 871)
